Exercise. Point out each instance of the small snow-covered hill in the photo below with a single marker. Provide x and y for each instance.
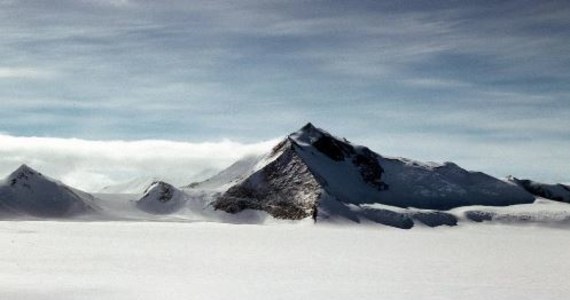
(313, 173)
(28, 192)
(161, 198)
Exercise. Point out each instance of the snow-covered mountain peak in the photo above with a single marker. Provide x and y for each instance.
(312, 170)
(161, 189)
(28, 192)
(312, 137)
(161, 198)
(308, 134)
(23, 174)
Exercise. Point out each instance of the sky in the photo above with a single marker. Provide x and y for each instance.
(482, 83)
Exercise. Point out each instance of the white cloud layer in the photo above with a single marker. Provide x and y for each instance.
(92, 165)
(23, 73)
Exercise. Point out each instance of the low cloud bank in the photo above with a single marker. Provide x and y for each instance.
(92, 165)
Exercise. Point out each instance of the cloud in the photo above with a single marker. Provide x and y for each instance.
(251, 70)
(24, 73)
(91, 165)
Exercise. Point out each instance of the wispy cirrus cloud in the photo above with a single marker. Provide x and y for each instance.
(24, 73)
(251, 70)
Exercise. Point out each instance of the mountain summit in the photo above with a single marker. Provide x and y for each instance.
(161, 198)
(27, 192)
(313, 173)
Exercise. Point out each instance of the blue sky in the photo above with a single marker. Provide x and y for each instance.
(483, 83)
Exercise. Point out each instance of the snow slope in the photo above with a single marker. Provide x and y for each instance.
(28, 192)
(169, 260)
(312, 173)
(135, 186)
(232, 174)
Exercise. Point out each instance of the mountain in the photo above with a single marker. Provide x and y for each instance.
(28, 192)
(161, 198)
(558, 192)
(313, 173)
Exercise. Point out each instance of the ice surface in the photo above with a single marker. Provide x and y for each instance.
(150, 260)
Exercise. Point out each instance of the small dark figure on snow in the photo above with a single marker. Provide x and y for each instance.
(315, 212)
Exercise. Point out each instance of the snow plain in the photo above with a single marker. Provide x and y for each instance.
(204, 260)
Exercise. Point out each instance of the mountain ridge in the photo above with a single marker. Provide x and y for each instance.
(332, 169)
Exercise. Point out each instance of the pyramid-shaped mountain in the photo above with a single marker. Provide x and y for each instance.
(28, 192)
(313, 173)
(161, 198)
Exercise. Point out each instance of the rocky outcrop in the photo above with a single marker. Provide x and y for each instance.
(557, 192)
(161, 198)
(285, 188)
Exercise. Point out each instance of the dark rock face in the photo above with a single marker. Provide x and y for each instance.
(332, 148)
(389, 218)
(22, 176)
(341, 150)
(285, 188)
(166, 191)
(538, 190)
(405, 220)
(435, 219)
(370, 169)
(479, 216)
(557, 192)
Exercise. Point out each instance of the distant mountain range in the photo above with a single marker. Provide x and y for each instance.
(310, 174)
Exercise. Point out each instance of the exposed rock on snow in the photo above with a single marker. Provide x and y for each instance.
(161, 198)
(388, 217)
(558, 192)
(285, 188)
(435, 218)
(312, 173)
(28, 192)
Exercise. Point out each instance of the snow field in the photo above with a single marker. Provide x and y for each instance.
(170, 260)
